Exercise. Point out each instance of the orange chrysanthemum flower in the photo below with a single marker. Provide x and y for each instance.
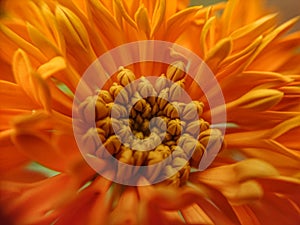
(46, 48)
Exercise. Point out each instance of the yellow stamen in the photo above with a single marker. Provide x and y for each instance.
(175, 71)
(172, 137)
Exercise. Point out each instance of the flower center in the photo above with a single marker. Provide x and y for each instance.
(148, 122)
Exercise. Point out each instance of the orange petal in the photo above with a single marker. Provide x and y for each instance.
(53, 66)
(176, 24)
(25, 202)
(283, 127)
(10, 158)
(158, 15)
(8, 115)
(123, 212)
(288, 186)
(204, 36)
(285, 47)
(87, 205)
(106, 23)
(283, 211)
(236, 181)
(260, 99)
(253, 30)
(6, 73)
(182, 4)
(246, 215)
(13, 97)
(142, 20)
(126, 16)
(73, 29)
(271, 36)
(36, 120)
(43, 42)
(15, 41)
(218, 53)
(39, 149)
(236, 9)
(30, 81)
(284, 164)
(195, 215)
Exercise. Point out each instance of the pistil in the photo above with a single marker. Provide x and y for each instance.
(152, 130)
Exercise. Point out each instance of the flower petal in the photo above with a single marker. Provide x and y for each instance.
(15, 41)
(52, 66)
(123, 212)
(158, 15)
(246, 215)
(39, 149)
(10, 158)
(218, 53)
(252, 30)
(26, 202)
(195, 215)
(204, 36)
(30, 81)
(283, 128)
(15, 97)
(106, 23)
(280, 215)
(176, 25)
(236, 181)
(271, 36)
(260, 99)
(73, 29)
(236, 9)
(125, 14)
(84, 206)
(45, 45)
(142, 20)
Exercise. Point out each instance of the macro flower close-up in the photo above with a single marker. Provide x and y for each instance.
(142, 112)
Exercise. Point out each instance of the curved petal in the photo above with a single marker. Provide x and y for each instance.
(39, 149)
(123, 212)
(84, 206)
(236, 181)
(26, 203)
(14, 97)
(31, 82)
